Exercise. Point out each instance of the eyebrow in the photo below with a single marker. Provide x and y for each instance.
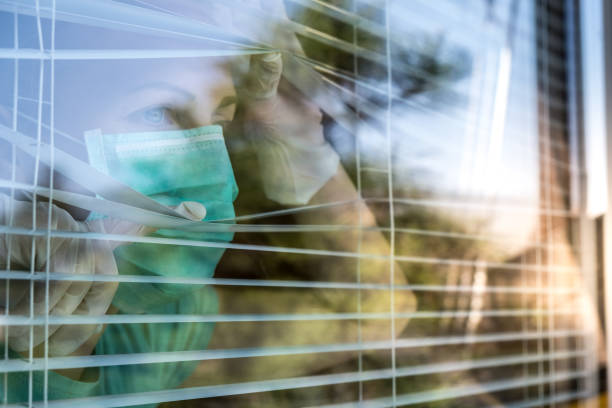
(166, 86)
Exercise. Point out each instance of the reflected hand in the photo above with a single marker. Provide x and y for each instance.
(286, 132)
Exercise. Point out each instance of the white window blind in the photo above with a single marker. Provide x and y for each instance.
(394, 212)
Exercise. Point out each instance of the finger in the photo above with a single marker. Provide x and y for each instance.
(192, 210)
(19, 214)
(117, 226)
(95, 302)
(264, 75)
(68, 338)
(11, 293)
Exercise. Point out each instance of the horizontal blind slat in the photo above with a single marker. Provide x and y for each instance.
(289, 250)
(154, 397)
(400, 343)
(421, 202)
(460, 391)
(539, 402)
(127, 17)
(468, 36)
(41, 276)
(135, 18)
(343, 15)
(60, 363)
(13, 320)
(93, 54)
(464, 206)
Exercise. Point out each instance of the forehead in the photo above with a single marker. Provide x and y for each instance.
(101, 88)
(121, 76)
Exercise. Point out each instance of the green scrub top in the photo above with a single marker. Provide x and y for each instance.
(127, 339)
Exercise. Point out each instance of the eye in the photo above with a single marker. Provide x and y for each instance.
(152, 116)
(155, 115)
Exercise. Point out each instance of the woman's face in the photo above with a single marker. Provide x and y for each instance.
(134, 96)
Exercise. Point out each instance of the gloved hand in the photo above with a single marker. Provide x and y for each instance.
(66, 255)
(286, 133)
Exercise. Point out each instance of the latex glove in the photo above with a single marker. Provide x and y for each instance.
(285, 129)
(66, 255)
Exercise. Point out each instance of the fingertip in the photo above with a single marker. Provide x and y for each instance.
(145, 230)
(192, 209)
(120, 227)
(272, 58)
(264, 75)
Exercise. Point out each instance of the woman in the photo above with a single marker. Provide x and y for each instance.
(160, 126)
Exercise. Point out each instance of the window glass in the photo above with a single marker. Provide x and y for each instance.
(291, 203)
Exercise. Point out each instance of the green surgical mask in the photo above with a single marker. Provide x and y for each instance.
(169, 167)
